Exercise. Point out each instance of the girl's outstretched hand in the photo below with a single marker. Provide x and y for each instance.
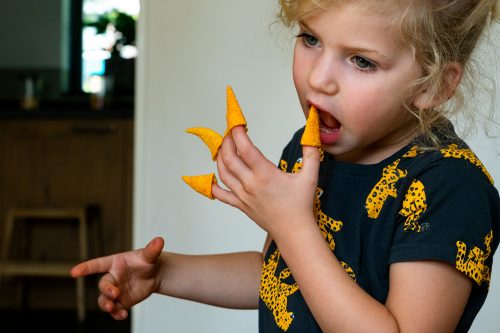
(128, 278)
(275, 200)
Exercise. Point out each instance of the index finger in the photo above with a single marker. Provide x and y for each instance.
(248, 152)
(93, 266)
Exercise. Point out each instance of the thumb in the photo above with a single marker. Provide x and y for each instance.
(311, 142)
(153, 250)
(311, 161)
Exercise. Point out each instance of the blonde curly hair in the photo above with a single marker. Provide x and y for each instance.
(439, 32)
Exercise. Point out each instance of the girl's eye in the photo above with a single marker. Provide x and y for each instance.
(363, 64)
(308, 40)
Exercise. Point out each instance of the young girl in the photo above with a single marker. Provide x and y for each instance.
(391, 226)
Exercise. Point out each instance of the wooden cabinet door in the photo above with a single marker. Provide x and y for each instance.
(22, 172)
(67, 163)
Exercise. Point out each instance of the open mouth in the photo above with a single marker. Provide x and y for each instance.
(328, 123)
(329, 127)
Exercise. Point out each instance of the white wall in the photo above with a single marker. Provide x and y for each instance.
(488, 150)
(190, 50)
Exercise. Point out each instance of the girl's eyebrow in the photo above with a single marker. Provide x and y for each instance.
(304, 26)
(370, 51)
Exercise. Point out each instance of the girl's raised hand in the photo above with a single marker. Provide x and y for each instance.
(129, 277)
(273, 199)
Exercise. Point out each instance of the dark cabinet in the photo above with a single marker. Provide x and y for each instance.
(70, 162)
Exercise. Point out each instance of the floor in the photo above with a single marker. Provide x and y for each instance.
(31, 305)
(55, 321)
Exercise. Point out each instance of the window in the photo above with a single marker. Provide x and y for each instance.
(104, 45)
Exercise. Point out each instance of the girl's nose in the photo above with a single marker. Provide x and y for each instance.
(322, 77)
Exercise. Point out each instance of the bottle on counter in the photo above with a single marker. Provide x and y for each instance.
(30, 86)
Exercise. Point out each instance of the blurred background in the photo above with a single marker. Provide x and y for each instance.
(67, 92)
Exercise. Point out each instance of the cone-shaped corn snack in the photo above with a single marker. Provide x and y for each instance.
(202, 184)
(234, 115)
(211, 138)
(311, 132)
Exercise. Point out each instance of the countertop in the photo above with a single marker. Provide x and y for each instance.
(68, 109)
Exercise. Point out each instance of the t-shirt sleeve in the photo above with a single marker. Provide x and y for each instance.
(449, 212)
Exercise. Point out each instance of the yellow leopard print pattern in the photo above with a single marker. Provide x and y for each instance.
(326, 224)
(413, 152)
(274, 292)
(474, 266)
(452, 151)
(348, 270)
(299, 163)
(297, 166)
(384, 188)
(414, 205)
(283, 165)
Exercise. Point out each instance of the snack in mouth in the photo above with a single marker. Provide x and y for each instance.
(311, 135)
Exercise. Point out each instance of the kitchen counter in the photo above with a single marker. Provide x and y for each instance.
(68, 109)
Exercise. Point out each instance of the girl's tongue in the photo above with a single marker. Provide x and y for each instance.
(328, 121)
(329, 128)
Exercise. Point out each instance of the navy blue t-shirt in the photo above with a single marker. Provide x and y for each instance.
(415, 205)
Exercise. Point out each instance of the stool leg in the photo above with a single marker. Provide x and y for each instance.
(83, 236)
(8, 235)
(9, 222)
(80, 288)
(80, 298)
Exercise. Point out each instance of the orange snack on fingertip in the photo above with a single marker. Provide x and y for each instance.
(210, 137)
(311, 132)
(202, 184)
(234, 115)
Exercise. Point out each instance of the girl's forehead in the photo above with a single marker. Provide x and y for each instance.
(389, 17)
(353, 24)
(392, 14)
(389, 9)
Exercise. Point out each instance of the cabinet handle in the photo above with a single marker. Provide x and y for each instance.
(93, 129)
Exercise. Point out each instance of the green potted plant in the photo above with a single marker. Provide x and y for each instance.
(120, 66)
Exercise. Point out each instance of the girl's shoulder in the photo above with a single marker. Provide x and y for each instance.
(454, 160)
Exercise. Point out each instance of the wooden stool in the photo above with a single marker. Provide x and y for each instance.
(46, 268)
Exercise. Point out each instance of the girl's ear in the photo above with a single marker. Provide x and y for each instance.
(452, 76)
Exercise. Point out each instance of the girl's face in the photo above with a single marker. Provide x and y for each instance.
(350, 65)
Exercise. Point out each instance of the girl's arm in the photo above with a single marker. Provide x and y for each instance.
(227, 280)
(423, 296)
